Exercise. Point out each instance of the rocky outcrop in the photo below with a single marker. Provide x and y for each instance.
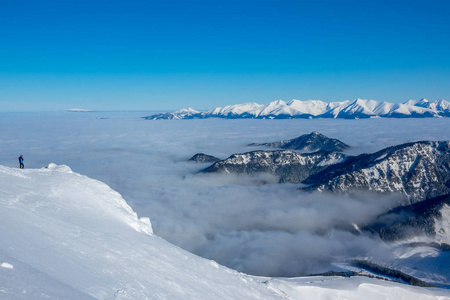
(312, 142)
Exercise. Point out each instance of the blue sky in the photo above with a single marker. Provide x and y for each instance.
(165, 55)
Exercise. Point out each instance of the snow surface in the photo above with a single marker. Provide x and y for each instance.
(66, 236)
(71, 233)
(424, 262)
(354, 288)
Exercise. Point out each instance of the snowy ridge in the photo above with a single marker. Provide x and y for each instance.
(358, 108)
(66, 236)
(417, 170)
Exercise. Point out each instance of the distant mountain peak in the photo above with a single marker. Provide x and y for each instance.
(78, 110)
(203, 158)
(314, 141)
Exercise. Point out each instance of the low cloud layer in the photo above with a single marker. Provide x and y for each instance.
(276, 230)
(269, 229)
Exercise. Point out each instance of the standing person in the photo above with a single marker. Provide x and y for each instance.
(21, 161)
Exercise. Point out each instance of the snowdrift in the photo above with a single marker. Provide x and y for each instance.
(66, 236)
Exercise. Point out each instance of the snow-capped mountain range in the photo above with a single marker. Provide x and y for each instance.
(355, 109)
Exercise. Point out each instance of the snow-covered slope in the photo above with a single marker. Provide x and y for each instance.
(66, 236)
(342, 288)
(355, 109)
(64, 233)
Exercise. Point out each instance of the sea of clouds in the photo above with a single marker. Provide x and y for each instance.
(271, 229)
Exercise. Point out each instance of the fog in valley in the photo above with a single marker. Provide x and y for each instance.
(272, 229)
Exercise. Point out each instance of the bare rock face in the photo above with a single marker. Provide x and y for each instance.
(312, 142)
(419, 170)
(289, 166)
(203, 158)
